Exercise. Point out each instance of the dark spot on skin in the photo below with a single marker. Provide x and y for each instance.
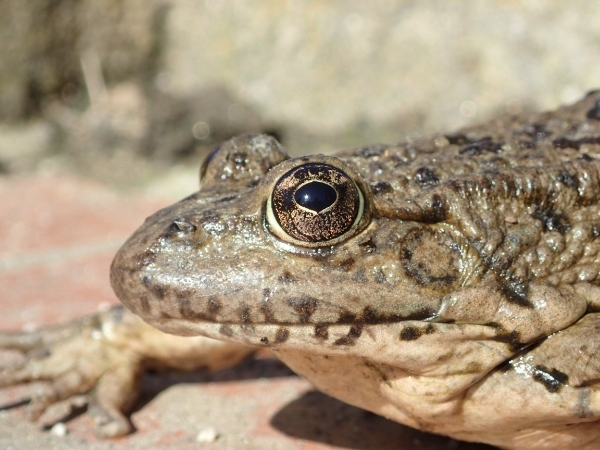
(360, 276)
(265, 306)
(471, 150)
(596, 230)
(513, 337)
(457, 139)
(379, 276)
(350, 339)
(473, 367)
(410, 334)
(304, 306)
(586, 157)
(144, 259)
(145, 303)
(381, 188)
(253, 183)
(245, 314)
(552, 379)
(214, 305)
(165, 315)
(536, 131)
(369, 315)
(483, 145)
(347, 264)
(525, 144)
(426, 176)
(372, 150)
(429, 329)
(355, 331)
(347, 317)
(321, 331)
(564, 142)
(286, 277)
(567, 179)
(158, 290)
(226, 199)
(552, 220)
(594, 112)
(516, 293)
(225, 330)
(187, 312)
(264, 340)
(435, 211)
(319, 257)
(281, 335)
(369, 245)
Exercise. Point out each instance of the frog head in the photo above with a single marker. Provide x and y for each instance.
(279, 243)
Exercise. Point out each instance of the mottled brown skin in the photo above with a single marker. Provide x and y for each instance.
(462, 301)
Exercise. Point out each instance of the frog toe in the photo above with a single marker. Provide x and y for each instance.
(63, 387)
(22, 341)
(44, 337)
(115, 394)
(109, 420)
(26, 372)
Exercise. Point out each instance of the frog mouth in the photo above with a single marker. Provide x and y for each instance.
(343, 331)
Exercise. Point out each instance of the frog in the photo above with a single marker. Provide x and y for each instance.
(449, 283)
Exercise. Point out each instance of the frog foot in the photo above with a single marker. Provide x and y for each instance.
(73, 359)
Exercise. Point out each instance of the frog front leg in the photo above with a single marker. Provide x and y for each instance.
(104, 356)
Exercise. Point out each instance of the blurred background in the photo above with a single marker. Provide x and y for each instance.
(126, 90)
(107, 108)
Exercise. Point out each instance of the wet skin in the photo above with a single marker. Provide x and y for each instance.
(450, 284)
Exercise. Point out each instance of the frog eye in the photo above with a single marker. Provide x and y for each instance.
(315, 204)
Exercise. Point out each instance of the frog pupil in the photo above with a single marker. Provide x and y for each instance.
(315, 196)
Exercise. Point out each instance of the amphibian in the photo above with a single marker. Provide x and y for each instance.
(448, 283)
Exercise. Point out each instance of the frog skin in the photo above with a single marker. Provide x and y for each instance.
(449, 283)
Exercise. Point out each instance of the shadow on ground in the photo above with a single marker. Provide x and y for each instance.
(318, 417)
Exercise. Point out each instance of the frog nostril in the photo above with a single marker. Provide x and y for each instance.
(181, 226)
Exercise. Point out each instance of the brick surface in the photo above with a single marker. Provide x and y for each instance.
(57, 239)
